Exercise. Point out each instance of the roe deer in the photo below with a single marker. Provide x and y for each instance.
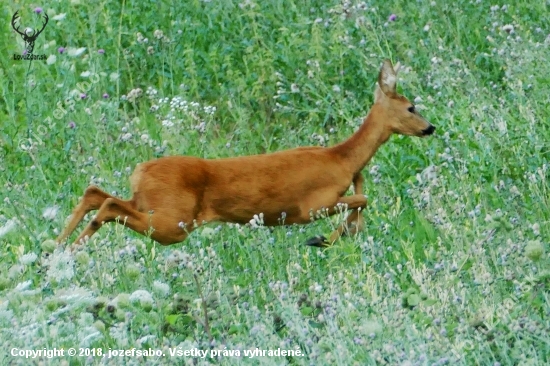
(174, 195)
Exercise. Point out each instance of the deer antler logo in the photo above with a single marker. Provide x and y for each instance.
(28, 35)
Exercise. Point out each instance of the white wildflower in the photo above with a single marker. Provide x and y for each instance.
(88, 336)
(23, 286)
(425, 195)
(158, 34)
(294, 88)
(15, 271)
(61, 266)
(167, 123)
(247, 4)
(75, 52)
(428, 175)
(51, 59)
(161, 288)
(126, 137)
(508, 28)
(151, 92)
(207, 232)
(141, 341)
(134, 94)
(372, 326)
(6, 315)
(515, 191)
(316, 287)
(59, 16)
(28, 258)
(120, 334)
(141, 296)
(76, 295)
(257, 221)
(536, 228)
(9, 226)
(50, 212)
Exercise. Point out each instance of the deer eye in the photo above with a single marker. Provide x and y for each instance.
(411, 109)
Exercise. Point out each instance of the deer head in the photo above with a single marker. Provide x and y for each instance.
(397, 112)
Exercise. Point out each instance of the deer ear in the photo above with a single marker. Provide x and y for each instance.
(379, 95)
(387, 79)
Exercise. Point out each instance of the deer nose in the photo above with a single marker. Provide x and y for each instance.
(428, 131)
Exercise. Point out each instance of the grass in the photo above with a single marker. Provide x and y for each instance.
(452, 267)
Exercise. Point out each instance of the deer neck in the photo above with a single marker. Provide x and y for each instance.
(357, 151)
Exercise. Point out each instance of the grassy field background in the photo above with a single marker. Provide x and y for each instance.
(453, 266)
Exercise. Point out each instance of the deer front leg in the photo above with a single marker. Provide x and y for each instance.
(354, 222)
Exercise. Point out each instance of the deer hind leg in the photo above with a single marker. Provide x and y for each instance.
(354, 222)
(162, 228)
(92, 200)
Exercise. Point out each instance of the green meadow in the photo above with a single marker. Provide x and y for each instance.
(453, 267)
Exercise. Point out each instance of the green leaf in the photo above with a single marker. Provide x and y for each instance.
(235, 328)
(467, 265)
(172, 319)
(430, 302)
(413, 300)
(67, 147)
(186, 319)
(316, 324)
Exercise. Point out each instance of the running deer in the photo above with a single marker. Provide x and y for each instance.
(172, 196)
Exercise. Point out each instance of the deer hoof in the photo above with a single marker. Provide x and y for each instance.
(318, 241)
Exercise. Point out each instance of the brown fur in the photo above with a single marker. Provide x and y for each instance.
(177, 191)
